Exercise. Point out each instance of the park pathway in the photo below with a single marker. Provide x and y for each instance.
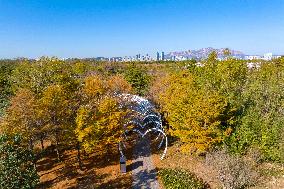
(143, 170)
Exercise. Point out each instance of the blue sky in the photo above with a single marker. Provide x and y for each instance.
(89, 28)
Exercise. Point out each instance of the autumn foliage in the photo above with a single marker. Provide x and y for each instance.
(194, 114)
(101, 117)
(77, 103)
(56, 100)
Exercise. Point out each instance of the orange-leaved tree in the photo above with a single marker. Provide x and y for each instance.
(22, 116)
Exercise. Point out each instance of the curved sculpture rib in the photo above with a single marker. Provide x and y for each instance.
(143, 114)
(166, 146)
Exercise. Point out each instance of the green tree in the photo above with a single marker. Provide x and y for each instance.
(16, 164)
(261, 124)
(6, 68)
(138, 78)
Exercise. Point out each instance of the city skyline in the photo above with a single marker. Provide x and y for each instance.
(165, 56)
(191, 54)
(124, 28)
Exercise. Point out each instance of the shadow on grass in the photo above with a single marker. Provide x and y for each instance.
(115, 183)
(66, 173)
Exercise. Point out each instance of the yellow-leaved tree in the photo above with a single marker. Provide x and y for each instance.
(194, 114)
(56, 109)
(101, 116)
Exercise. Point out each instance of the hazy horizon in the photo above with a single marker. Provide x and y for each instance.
(124, 28)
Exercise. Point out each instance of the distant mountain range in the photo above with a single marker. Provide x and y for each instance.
(203, 53)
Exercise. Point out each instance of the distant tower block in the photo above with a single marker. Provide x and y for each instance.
(158, 56)
(163, 56)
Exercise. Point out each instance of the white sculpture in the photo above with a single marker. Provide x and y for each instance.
(145, 120)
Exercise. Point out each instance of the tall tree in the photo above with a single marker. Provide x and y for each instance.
(194, 114)
(22, 116)
(101, 117)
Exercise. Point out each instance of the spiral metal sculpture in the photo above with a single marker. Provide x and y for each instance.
(145, 120)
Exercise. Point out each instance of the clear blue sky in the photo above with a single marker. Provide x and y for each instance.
(89, 28)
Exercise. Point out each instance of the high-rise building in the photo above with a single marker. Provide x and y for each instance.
(163, 56)
(158, 56)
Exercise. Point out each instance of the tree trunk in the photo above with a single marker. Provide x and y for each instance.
(84, 153)
(31, 147)
(56, 147)
(57, 153)
(79, 156)
(41, 141)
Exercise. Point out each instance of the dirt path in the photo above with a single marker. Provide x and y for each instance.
(143, 170)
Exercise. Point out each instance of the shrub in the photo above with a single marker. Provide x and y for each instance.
(233, 171)
(175, 179)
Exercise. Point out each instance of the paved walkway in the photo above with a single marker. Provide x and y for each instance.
(143, 170)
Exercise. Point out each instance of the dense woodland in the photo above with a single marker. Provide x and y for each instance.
(213, 107)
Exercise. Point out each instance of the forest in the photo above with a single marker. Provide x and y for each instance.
(223, 112)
